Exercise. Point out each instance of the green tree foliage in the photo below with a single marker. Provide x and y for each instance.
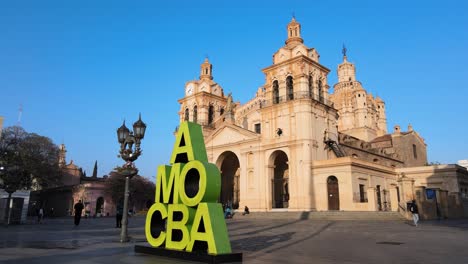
(27, 158)
(141, 190)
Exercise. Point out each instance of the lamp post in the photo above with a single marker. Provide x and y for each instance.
(129, 151)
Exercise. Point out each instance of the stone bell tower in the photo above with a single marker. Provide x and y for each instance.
(361, 115)
(204, 99)
(294, 33)
(206, 70)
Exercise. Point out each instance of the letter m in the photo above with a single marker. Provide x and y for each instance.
(167, 184)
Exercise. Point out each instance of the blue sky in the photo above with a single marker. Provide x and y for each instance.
(79, 68)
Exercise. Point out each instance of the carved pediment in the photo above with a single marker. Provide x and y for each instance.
(230, 134)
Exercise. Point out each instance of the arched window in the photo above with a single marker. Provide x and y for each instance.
(311, 86)
(210, 114)
(415, 153)
(195, 113)
(320, 91)
(275, 92)
(186, 114)
(221, 111)
(289, 87)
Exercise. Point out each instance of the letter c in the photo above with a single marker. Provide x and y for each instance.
(156, 223)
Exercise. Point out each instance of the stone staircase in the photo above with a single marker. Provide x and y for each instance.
(327, 215)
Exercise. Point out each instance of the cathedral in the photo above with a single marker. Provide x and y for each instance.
(298, 146)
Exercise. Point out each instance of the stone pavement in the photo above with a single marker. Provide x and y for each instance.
(266, 238)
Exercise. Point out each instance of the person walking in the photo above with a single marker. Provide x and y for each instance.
(40, 215)
(78, 209)
(414, 210)
(228, 212)
(118, 216)
(246, 211)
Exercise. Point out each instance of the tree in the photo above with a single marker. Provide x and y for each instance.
(26, 158)
(95, 170)
(141, 190)
(12, 178)
(40, 159)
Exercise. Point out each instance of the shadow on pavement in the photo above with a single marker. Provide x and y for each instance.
(260, 242)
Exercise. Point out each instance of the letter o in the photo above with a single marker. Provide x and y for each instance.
(189, 170)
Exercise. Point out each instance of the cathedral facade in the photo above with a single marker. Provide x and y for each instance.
(298, 146)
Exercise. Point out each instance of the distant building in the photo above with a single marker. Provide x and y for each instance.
(296, 146)
(74, 186)
(463, 163)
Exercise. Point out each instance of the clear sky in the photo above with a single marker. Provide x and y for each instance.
(78, 68)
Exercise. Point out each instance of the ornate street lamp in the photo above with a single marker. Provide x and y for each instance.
(129, 154)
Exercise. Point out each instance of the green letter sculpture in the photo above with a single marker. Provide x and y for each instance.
(186, 215)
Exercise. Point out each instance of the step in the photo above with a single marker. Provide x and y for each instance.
(329, 215)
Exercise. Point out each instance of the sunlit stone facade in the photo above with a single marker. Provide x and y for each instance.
(296, 146)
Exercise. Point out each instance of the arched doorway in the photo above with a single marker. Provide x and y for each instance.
(99, 205)
(333, 193)
(230, 172)
(280, 181)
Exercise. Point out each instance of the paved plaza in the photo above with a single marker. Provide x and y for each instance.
(265, 238)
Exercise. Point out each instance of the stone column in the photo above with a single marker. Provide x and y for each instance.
(457, 206)
(371, 199)
(394, 198)
(420, 194)
(443, 203)
(406, 188)
(420, 197)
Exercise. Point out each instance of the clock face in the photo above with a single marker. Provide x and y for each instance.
(203, 89)
(189, 89)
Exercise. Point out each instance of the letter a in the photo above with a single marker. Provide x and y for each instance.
(189, 144)
(209, 226)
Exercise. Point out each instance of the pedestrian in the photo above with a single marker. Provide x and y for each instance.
(40, 215)
(78, 209)
(228, 213)
(414, 210)
(246, 210)
(118, 216)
